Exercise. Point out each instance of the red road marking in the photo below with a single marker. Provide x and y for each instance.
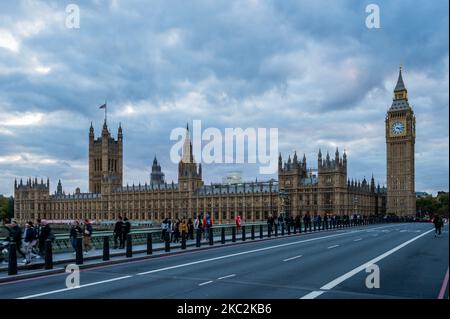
(444, 286)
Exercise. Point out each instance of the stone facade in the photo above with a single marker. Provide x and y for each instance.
(327, 192)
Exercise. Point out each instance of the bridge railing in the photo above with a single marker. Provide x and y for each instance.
(62, 242)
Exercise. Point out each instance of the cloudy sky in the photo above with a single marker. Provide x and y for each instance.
(312, 69)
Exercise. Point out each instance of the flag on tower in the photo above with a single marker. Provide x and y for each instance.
(103, 106)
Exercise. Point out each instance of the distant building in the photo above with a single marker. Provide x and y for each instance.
(157, 176)
(232, 178)
(421, 194)
(325, 189)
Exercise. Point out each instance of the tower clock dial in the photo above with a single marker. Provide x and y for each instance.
(397, 128)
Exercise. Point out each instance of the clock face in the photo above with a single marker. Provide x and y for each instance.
(397, 128)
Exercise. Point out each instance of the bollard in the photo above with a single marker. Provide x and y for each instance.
(79, 251)
(253, 232)
(306, 227)
(198, 238)
(309, 226)
(261, 235)
(269, 231)
(295, 229)
(105, 248)
(48, 255)
(243, 233)
(289, 229)
(222, 235)
(211, 237)
(282, 229)
(233, 234)
(183, 240)
(314, 226)
(276, 230)
(129, 252)
(12, 261)
(149, 244)
(167, 243)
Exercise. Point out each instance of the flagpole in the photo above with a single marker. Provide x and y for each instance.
(106, 107)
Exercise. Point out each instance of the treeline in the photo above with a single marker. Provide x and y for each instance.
(429, 205)
(6, 208)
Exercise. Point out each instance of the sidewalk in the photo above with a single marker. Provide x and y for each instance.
(60, 260)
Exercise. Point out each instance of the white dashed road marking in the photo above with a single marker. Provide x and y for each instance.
(229, 276)
(205, 283)
(295, 257)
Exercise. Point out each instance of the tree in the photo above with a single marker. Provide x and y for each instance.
(6, 207)
(430, 205)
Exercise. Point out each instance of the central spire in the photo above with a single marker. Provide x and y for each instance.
(187, 148)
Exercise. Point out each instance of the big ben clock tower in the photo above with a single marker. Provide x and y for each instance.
(400, 140)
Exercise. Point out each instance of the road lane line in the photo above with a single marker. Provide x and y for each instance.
(360, 268)
(295, 257)
(229, 276)
(205, 283)
(313, 294)
(358, 239)
(334, 246)
(444, 286)
(72, 288)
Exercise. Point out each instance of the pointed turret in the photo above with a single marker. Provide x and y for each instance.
(59, 188)
(119, 131)
(400, 86)
(400, 100)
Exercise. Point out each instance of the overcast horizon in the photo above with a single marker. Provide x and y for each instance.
(311, 69)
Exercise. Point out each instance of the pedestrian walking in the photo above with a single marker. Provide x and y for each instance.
(238, 222)
(118, 232)
(190, 226)
(29, 240)
(126, 228)
(298, 221)
(176, 230)
(270, 223)
(164, 226)
(208, 225)
(438, 223)
(75, 231)
(45, 232)
(87, 234)
(183, 229)
(15, 234)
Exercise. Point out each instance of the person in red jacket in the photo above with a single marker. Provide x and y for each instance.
(238, 222)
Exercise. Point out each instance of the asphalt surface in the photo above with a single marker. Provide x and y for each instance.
(412, 264)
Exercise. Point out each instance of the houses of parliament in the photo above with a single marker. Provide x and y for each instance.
(296, 192)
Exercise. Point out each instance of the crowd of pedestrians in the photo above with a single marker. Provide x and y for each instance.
(29, 240)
